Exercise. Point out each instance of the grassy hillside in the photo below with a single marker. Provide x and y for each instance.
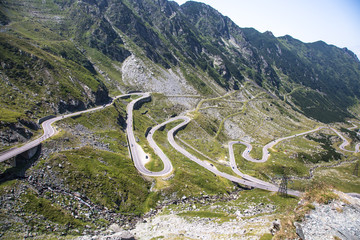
(235, 84)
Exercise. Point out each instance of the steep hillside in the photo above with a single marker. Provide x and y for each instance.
(235, 84)
(189, 45)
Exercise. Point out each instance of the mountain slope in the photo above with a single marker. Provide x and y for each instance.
(195, 41)
(234, 83)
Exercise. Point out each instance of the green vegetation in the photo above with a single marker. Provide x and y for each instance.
(319, 192)
(213, 99)
(216, 164)
(274, 167)
(108, 66)
(266, 236)
(341, 177)
(328, 154)
(154, 165)
(141, 124)
(352, 134)
(258, 196)
(210, 147)
(160, 108)
(8, 185)
(51, 212)
(221, 126)
(58, 56)
(197, 83)
(30, 68)
(107, 179)
(225, 210)
(189, 178)
(110, 118)
(9, 116)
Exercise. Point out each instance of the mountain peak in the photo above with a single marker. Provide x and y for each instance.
(269, 33)
(196, 38)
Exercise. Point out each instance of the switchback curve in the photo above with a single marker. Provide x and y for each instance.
(50, 131)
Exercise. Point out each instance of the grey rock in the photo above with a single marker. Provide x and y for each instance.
(299, 231)
(334, 219)
(276, 225)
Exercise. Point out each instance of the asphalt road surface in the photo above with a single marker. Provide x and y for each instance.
(49, 131)
(257, 184)
(168, 168)
(135, 148)
(266, 153)
(237, 171)
(137, 153)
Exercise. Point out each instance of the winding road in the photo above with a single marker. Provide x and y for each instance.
(139, 156)
(247, 180)
(50, 131)
(237, 171)
(265, 150)
(266, 153)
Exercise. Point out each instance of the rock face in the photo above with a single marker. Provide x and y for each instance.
(154, 78)
(16, 132)
(340, 219)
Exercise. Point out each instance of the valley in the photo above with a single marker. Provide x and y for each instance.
(152, 120)
(224, 166)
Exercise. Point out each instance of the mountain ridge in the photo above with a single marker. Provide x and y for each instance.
(233, 83)
(196, 36)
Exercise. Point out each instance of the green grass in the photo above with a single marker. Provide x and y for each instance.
(266, 236)
(110, 67)
(197, 83)
(216, 164)
(189, 178)
(107, 179)
(287, 156)
(212, 99)
(105, 124)
(340, 177)
(208, 123)
(225, 210)
(274, 167)
(50, 211)
(257, 196)
(160, 108)
(208, 146)
(109, 118)
(29, 68)
(256, 151)
(141, 123)
(221, 126)
(154, 165)
(9, 116)
(7, 186)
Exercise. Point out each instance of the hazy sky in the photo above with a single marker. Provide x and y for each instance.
(335, 22)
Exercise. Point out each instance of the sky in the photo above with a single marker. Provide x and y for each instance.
(335, 22)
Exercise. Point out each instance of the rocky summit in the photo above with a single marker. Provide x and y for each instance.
(145, 119)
